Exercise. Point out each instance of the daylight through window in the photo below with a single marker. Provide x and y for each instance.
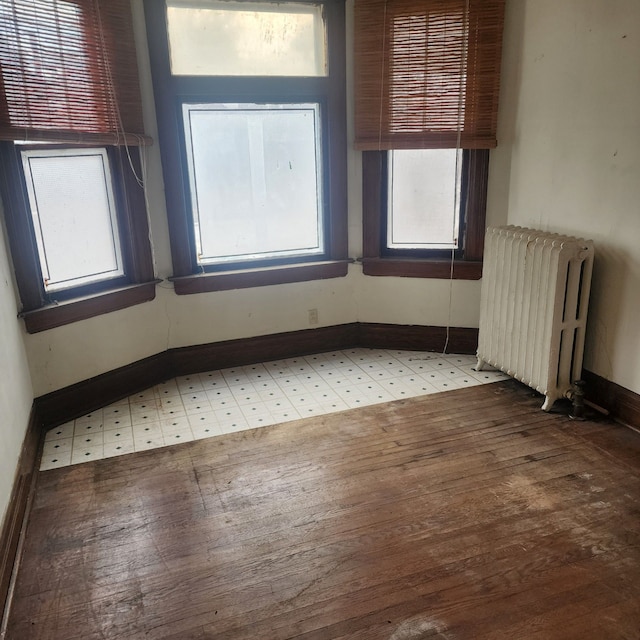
(255, 180)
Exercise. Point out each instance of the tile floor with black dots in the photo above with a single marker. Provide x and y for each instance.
(213, 403)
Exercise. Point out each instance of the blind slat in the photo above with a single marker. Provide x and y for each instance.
(427, 73)
(68, 72)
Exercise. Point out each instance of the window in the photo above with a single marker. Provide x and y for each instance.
(250, 98)
(426, 95)
(82, 216)
(266, 198)
(71, 125)
(423, 199)
(423, 245)
(223, 38)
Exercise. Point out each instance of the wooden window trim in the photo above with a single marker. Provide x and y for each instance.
(329, 91)
(69, 311)
(247, 278)
(81, 303)
(375, 263)
(102, 108)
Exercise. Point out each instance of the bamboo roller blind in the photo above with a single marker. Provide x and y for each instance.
(427, 73)
(68, 72)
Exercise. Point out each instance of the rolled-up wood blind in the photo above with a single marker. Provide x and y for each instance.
(68, 72)
(427, 73)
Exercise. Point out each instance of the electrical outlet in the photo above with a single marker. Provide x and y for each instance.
(313, 316)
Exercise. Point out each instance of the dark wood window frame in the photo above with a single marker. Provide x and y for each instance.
(42, 311)
(97, 105)
(330, 92)
(467, 263)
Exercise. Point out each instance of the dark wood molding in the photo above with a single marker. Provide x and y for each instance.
(19, 225)
(373, 167)
(417, 337)
(133, 209)
(68, 311)
(475, 218)
(80, 398)
(169, 138)
(336, 123)
(233, 353)
(242, 279)
(75, 400)
(68, 403)
(416, 268)
(19, 499)
(622, 404)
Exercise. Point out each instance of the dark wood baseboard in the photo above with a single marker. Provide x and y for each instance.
(622, 404)
(235, 353)
(68, 403)
(73, 401)
(417, 337)
(18, 503)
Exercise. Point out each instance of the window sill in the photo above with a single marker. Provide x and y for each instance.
(57, 315)
(247, 278)
(413, 268)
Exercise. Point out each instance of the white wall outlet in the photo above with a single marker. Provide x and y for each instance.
(313, 316)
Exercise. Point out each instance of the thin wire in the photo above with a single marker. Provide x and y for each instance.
(456, 195)
(120, 132)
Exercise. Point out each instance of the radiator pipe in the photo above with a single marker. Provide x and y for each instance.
(596, 407)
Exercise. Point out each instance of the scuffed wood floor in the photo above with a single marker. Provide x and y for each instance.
(463, 515)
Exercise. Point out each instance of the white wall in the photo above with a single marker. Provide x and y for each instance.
(68, 354)
(16, 395)
(569, 159)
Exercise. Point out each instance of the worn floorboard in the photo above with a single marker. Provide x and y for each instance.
(468, 515)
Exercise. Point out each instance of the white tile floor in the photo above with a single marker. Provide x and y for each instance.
(217, 402)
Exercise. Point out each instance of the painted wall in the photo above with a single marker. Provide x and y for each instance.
(16, 394)
(569, 159)
(65, 355)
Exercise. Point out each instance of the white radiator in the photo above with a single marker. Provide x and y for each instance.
(533, 309)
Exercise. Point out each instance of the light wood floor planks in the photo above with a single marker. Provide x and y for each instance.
(469, 515)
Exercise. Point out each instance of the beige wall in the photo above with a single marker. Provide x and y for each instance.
(16, 394)
(569, 154)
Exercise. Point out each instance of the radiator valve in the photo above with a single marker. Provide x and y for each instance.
(577, 397)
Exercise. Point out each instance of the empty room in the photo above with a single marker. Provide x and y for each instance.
(319, 319)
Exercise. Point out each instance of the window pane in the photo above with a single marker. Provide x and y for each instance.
(255, 180)
(73, 210)
(424, 199)
(208, 37)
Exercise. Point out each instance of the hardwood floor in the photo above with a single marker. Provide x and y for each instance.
(467, 515)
